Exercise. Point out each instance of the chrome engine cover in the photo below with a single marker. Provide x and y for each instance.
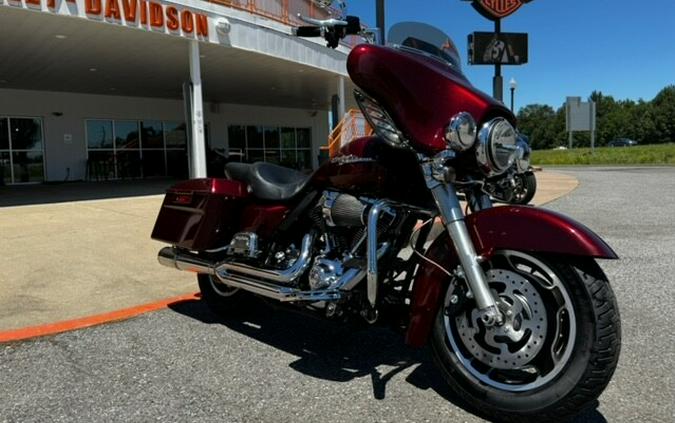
(244, 244)
(324, 273)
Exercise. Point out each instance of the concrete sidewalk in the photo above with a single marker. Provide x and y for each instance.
(68, 260)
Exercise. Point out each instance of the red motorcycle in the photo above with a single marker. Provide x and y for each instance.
(520, 319)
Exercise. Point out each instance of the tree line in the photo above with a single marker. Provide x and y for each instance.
(648, 122)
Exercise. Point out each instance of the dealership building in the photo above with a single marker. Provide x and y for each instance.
(116, 89)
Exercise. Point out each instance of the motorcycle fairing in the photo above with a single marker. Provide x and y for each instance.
(517, 228)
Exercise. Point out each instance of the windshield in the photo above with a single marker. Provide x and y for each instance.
(427, 39)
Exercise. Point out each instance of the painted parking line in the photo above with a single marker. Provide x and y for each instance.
(85, 322)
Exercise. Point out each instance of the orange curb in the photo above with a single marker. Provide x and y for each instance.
(85, 322)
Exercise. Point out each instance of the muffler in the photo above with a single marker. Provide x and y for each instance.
(186, 261)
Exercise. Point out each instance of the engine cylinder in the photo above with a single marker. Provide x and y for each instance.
(343, 210)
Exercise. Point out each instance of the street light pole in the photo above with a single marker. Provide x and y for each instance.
(513, 85)
(379, 13)
(498, 81)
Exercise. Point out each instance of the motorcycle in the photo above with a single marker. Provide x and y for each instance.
(520, 319)
(518, 185)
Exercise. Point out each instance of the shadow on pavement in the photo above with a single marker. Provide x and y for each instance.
(22, 195)
(331, 351)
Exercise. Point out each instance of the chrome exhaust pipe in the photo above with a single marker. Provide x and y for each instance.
(172, 257)
(279, 276)
(190, 262)
(265, 282)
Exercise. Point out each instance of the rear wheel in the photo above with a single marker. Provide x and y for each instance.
(555, 352)
(221, 299)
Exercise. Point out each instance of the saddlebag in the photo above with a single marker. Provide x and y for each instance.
(200, 214)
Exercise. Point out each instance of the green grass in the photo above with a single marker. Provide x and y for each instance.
(662, 154)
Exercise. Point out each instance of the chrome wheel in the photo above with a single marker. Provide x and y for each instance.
(537, 338)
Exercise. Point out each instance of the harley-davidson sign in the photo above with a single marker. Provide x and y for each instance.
(497, 9)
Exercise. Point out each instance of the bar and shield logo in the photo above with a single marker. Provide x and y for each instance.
(497, 9)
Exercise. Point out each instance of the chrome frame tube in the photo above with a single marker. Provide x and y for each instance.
(372, 256)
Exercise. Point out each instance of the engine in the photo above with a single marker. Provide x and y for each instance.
(343, 220)
(336, 254)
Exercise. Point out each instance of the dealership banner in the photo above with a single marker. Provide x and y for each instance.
(150, 15)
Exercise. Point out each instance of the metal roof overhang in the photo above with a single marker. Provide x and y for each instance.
(253, 64)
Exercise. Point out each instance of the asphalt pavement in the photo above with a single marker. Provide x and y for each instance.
(184, 364)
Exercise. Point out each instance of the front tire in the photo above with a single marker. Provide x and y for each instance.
(547, 363)
(526, 187)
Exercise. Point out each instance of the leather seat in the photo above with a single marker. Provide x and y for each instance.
(268, 181)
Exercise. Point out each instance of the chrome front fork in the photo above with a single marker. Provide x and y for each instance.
(445, 196)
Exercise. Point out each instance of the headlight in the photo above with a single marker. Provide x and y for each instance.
(380, 120)
(461, 132)
(523, 155)
(496, 148)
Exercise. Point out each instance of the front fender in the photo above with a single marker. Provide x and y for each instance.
(519, 228)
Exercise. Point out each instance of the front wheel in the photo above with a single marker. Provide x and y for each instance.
(525, 188)
(555, 352)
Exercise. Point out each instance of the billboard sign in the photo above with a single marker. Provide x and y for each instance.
(580, 116)
(505, 48)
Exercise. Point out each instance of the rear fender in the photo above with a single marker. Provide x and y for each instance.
(519, 228)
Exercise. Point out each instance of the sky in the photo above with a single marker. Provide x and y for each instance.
(623, 48)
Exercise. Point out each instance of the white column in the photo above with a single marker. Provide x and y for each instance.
(341, 95)
(198, 144)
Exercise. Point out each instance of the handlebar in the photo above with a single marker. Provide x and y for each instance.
(333, 30)
(326, 23)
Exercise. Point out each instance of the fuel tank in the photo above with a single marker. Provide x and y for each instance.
(370, 167)
(420, 93)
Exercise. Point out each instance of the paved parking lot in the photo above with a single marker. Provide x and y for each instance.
(182, 364)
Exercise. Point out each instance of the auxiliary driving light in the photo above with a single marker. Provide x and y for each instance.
(461, 132)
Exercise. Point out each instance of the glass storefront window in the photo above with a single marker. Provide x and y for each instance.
(26, 133)
(288, 138)
(304, 138)
(304, 159)
(5, 168)
(27, 166)
(126, 135)
(21, 156)
(236, 135)
(128, 164)
(4, 134)
(290, 147)
(175, 134)
(271, 138)
(273, 156)
(99, 134)
(289, 158)
(254, 137)
(141, 149)
(152, 134)
(177, 163)
(101, 164)
(153, 163)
